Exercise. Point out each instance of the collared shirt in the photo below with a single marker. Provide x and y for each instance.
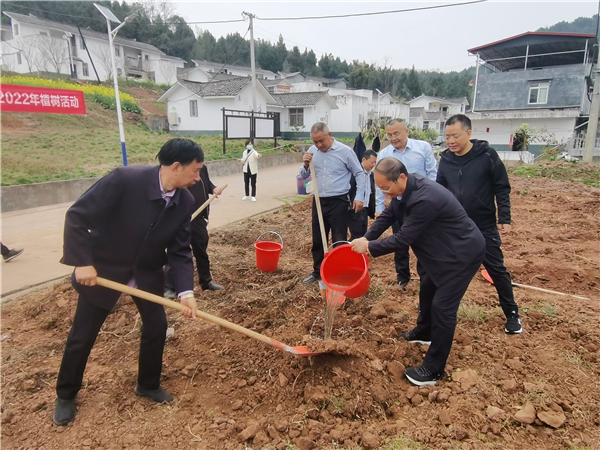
(333, 170)
(418, 158)
(167, 196)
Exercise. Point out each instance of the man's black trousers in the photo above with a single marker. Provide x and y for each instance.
(358, 223)
(199, 246)
(86, 326)
(439, 308)
(401, 258)
(494, 264)
(335, 218)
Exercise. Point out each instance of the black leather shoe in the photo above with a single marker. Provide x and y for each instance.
(64, 411)
(156, 395)
(212, 287)
(310, 279)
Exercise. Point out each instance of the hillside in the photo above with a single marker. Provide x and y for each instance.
(50, 147)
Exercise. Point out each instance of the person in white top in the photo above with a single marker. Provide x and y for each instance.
(250, 162)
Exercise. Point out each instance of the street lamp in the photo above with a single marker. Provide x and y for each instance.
(379, 94)
(110, 17)
(67, 37)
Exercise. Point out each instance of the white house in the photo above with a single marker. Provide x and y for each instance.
(195, 108)
(298, 111)
(47, 46)
(537, 78)
(435, 111)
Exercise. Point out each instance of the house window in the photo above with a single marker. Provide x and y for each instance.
(296, 117)
(117, 51)
(43, 33)
(82, 44)
(426, 125)
(16, 28)
(85, 70)
(193, 108)
(538, 93)
(19, 60)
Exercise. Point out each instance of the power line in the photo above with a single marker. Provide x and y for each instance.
(371, 13)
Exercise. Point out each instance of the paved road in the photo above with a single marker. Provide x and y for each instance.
(40, 230)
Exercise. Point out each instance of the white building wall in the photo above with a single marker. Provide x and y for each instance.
(28, 41)
(498, 131)
(210, 114)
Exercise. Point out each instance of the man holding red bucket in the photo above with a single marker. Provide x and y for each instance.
(450, 249)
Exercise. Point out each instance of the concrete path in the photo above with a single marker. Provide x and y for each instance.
(40, 230)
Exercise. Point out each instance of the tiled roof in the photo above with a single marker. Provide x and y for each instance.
(221, 88)
(210, 64)
(416, 112)
(433, 115)
(299, 98)
(95, 34)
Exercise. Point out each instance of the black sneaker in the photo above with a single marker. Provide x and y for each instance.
(412, 338)
(513, 324)
(156, 395)
(420, 376)
(12, 254)
(403, 284)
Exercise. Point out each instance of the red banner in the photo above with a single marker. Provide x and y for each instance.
(40, 100)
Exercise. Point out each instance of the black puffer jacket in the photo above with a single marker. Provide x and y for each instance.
(479, 181)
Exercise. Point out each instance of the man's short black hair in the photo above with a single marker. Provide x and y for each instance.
(464, 121)
(391, 168)
(368, 154)
(183, 151)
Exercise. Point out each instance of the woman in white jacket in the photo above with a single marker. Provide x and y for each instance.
(250, 162)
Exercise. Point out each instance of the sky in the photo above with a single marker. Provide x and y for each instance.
(434, 39)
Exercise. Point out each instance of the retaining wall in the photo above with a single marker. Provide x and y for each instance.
(25, 196)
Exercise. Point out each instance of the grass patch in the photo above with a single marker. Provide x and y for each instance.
(402, 443)
(471, 313)
(546, 309)
(51, 147)
(576, 359)
(560, 170)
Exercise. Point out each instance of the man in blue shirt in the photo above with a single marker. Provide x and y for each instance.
(334, 164)
(358, 222)
(417, 156)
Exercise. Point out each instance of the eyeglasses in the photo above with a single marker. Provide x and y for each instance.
(387, 191)
(393, 135)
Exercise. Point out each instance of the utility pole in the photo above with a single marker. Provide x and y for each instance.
(590, 135)
(252, 63)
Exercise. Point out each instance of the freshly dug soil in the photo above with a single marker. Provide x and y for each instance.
(535, 390)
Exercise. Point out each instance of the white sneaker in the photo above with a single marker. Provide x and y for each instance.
(253, 199)
(245, 197)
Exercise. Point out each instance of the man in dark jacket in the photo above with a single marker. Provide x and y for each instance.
(358, 222)
(119, 229)
(450, 250)
(474, 173)
(201, 192)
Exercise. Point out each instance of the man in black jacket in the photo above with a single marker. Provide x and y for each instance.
(474, 173)
(358, 222)
(450, 250)
(201, 192)
(119, 229)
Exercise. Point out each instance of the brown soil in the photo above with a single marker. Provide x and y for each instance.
(233, 392)
(146, 99)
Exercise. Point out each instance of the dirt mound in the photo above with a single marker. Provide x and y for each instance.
(232, 392)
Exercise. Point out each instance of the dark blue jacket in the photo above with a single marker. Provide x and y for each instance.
(434, 225)
(122, 227)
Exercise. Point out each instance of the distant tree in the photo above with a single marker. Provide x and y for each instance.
(54, 52)
(413, 86)
(295, 60)
(310, 64)
(579, 25)
(281, 53)
(181, 38)
(204, 46)
(363, 76)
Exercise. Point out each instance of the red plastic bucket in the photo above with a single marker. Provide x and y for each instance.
(267, 253)
(346, 271)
